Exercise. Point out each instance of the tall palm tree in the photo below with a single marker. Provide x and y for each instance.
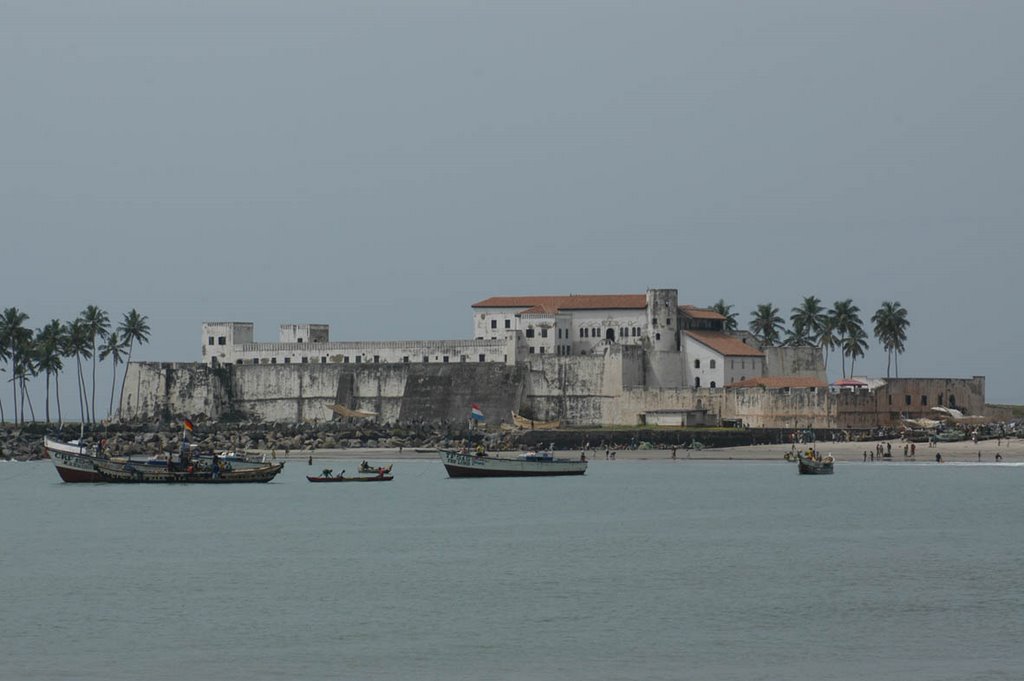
(26, 368)
(766, 324)
(114, 348)
(845, 318)
(49, 351)
(97, 324)
(133, 329)
(891, 324)
(726, 311)
(827, 339)
(12, 338)
(854, 345)
(808, 318)
(78, 346)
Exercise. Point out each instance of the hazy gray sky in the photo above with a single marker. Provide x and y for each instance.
(380, 166)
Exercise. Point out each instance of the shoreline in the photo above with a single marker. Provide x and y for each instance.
(1011, 451)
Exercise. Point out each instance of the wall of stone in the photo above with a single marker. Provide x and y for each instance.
(588, 390)
(795, 362)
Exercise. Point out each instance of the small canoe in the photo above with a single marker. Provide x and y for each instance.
(355, 478)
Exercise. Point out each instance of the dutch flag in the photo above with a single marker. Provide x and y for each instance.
(475, 412)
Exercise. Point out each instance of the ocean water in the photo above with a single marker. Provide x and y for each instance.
(637, 570)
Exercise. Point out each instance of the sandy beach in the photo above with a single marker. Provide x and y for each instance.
(1011, 450)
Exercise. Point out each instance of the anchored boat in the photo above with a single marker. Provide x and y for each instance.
(528, 464)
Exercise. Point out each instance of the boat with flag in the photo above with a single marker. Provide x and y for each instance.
(466, 464)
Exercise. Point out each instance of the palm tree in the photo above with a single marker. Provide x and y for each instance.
(12, 339)
(766, 324)
(891, 330)
(25, 369)
(97, 324)
(808, 318)
(113, 348)
(797, 337)
(49, 350)
(854, 345)
(133, 329)
(827, 339)
(78, 346)
(726, 311)
(845, 318)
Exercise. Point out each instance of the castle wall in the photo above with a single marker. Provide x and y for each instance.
(590, 390)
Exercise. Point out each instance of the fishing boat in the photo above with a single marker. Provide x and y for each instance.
(809, 465)
(328, 476)
(369, 469)
(528, 464)
(73, 460)
(130, 472)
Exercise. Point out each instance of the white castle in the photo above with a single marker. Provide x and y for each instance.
(684, 345)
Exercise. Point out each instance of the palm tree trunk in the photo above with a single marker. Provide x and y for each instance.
(81, 388)
(897, 365)
(47, 397)
(120, 399)
(31, 409)
(56, 391)
(2, 417)
(888, 363)
(113, 384)
(93, 419)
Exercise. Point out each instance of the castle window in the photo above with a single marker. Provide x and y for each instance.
(273, 360)
(906, 400)
(237, 361)
(924, 400)
(529, 332)
(668, 322)
(323, 360)
(531, 349)
(657, 336)
(508, 323)
(305, 360)
(890, 400)
(494, 323)
(210, 341)
(376, 359)
(480, 358)
(583, 333)
(462, 358)
(256, 361)
(696, 382)
(940, 400)
(287, 360)
(405, 359)
(221, 340)
(544, 333)
(712, 384)
(712, 363)
(542, 350)
(345, 359)
(445, 359)
(426, 358)
(359, 359)
(696, 364)
(300, 340)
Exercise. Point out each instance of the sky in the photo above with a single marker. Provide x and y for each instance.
(380, 166)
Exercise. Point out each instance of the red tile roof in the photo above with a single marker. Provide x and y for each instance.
(724, 344)
(699, 312)
(583, 302)
(779, 382)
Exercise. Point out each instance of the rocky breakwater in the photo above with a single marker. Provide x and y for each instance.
(25, 442)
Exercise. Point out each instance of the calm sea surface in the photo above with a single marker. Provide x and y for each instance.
(638, 570)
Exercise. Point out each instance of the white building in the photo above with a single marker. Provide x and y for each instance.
(683, 345)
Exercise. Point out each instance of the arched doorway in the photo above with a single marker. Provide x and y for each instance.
(609, 334)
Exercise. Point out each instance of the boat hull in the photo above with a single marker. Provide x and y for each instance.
(809, 467)
(127, 473)
(461, 465)
(73, 463)
(364, 478)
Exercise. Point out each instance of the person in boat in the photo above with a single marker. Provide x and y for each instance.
(327, 472)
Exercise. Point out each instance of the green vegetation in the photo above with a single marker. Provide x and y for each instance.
(26, 354)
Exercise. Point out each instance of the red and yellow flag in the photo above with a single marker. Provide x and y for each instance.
(188, 425)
